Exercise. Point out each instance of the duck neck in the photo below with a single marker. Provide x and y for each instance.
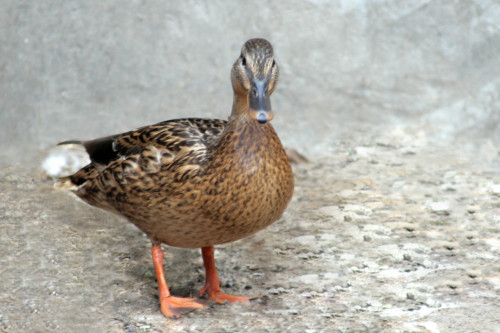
(240, 123)
(243, 135)
(240, 107)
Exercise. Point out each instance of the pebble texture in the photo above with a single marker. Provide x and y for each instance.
(375, 239)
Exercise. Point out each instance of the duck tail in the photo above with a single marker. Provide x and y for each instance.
(75, 181)
(66, 183)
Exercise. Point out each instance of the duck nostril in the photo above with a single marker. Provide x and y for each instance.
(254, 91)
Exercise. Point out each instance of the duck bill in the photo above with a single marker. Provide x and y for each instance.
(260, 103)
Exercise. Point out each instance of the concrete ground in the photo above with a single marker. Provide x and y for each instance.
(381, 236)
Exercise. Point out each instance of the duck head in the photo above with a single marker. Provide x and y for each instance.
(254, 77)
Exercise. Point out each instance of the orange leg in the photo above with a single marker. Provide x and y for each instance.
(212, 285)
(171, 306)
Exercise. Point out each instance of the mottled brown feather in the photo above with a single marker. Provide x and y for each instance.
(195, 182)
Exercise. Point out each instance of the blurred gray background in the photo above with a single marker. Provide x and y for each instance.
(429, 70)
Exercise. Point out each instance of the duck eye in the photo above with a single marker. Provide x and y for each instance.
(274, 63)
(243, 61)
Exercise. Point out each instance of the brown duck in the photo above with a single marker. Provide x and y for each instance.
(197, 182)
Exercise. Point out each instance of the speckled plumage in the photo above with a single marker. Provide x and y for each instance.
(187, 183)
(197, 182)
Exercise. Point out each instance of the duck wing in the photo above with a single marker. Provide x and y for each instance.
(171, 135)
(163, 142)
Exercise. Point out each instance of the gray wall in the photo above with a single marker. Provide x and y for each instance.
(79, 69)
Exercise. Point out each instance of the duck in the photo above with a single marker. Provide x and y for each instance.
(195, 182)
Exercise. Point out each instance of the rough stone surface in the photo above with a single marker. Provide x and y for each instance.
(395, 221)
(362, 248)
